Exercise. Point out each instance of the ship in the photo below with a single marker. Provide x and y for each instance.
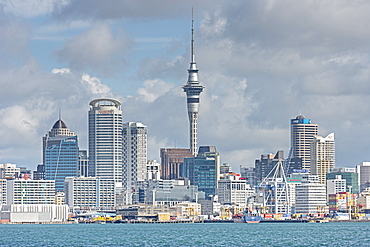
(252, 218)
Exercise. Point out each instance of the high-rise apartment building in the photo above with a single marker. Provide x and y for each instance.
(60, 154)
(193, 89)
(322, 156)
(302, 133)
(171, 161)
(105, 139)
(134, 144)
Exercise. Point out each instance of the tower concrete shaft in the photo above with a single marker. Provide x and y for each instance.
(193, 89)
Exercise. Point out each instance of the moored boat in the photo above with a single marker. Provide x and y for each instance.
(252, 219)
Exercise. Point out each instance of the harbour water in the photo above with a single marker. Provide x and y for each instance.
(223, 234)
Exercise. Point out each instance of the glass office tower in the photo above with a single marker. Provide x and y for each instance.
(60, 154)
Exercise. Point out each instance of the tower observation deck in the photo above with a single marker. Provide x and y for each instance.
(193, 89)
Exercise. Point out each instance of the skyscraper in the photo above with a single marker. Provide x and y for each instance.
(60, 154)
(172, 160)
(203, 170)
(105, 139)
(193, 89)
(301, 136)
(134, 141)
(322, 156)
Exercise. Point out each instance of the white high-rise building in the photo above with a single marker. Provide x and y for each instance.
(301, 136)
(334, 186)
(193, 89)
(322, 156)
(105, 139)
(134, 144)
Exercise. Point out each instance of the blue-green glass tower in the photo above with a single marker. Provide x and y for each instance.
(60, 154)
(203, 170)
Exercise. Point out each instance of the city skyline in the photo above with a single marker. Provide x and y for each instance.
(262, 62)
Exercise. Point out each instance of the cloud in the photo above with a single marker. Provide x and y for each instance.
(153, 89)
(98, 49)
(126, 9)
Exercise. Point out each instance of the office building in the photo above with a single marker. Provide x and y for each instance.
(225, 169)
(153, 170)
(347, 173)
(193, 89)
(90, 193)
(336, 185)
(39, 174)
(232, 190)
(30, 191)
(172, 160)
(9, 171)
(310, 198)
(83, 163)
(134, 144)
(203, 170)
(60, 154)
(302, 133)
(266, 163)
(171, 192)
(105, 139)
(322, 156)
(249, 174)
(363, 171)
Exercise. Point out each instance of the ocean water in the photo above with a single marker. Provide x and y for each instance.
(207, 234)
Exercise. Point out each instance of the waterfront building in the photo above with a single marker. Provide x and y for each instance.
(188, 210)
(322, 156)
(39, 174)
(3, 191)
(9, 171)
(83, 163)
(302, 133)
(249, 174)
(193, 89)
(203, 170)
(171, 192)
(232, 190)
(363, 171)
(310, 198)
(30, 191)
(171, 162)
(60, 154)
(266, 163)
(90, 192)
(347, 173)
(336, 185)
(36, 213)
(210, 205)
(134, 144)
(364, 200)
(105, 139)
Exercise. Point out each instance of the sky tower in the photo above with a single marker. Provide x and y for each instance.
(193, 89)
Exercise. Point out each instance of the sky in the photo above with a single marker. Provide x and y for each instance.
(262, 62)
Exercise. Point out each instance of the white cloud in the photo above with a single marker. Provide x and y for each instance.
(154, 89)
(98, 49)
